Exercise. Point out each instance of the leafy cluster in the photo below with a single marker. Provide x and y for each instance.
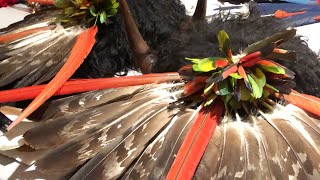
(86, 12)
(248, 78)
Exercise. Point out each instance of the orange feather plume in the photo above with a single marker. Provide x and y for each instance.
(84, 85)
(78, 53)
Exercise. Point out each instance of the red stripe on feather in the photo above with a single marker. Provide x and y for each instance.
(306, 102)
(79, 52)
(84, 85)
(195, 143)
(221, 63)
(14, 36)
(250, 56)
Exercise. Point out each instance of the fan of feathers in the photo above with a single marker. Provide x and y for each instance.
(137, 132)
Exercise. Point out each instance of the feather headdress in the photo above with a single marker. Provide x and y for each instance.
(222, 120)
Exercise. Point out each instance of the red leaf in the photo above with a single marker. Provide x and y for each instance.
(186, 72)
(266, 63)
(280, 51)
(243, 74)
(250, 56)
(251, 62)
(228, 70)
(195, 143)
(84, 85)
(192, 87)
(306, 102)
(78, 53)
(221, 63)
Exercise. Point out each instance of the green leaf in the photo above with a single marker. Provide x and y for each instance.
(224, 42)
(93, 11)
(259, 77)
(257, 90)
(65, 19)
(223, 88)
(193, 60)
(206, 65)
(195, 67)
(78, 13)
(235, 76)
(60, 3)
(273, 69)
(271, 87)
(115, 5)
(112, 12)
(266, 93)
(103, 17)
(233, 82)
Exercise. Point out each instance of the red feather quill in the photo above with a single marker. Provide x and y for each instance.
(78, 53)
(84, 85)
(195, 142)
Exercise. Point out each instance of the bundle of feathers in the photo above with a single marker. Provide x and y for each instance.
(136, 132)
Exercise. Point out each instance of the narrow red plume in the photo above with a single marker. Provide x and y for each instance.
(14, 36)
(84, 85)
(306, 102)
(195, 143)
(78, 53)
